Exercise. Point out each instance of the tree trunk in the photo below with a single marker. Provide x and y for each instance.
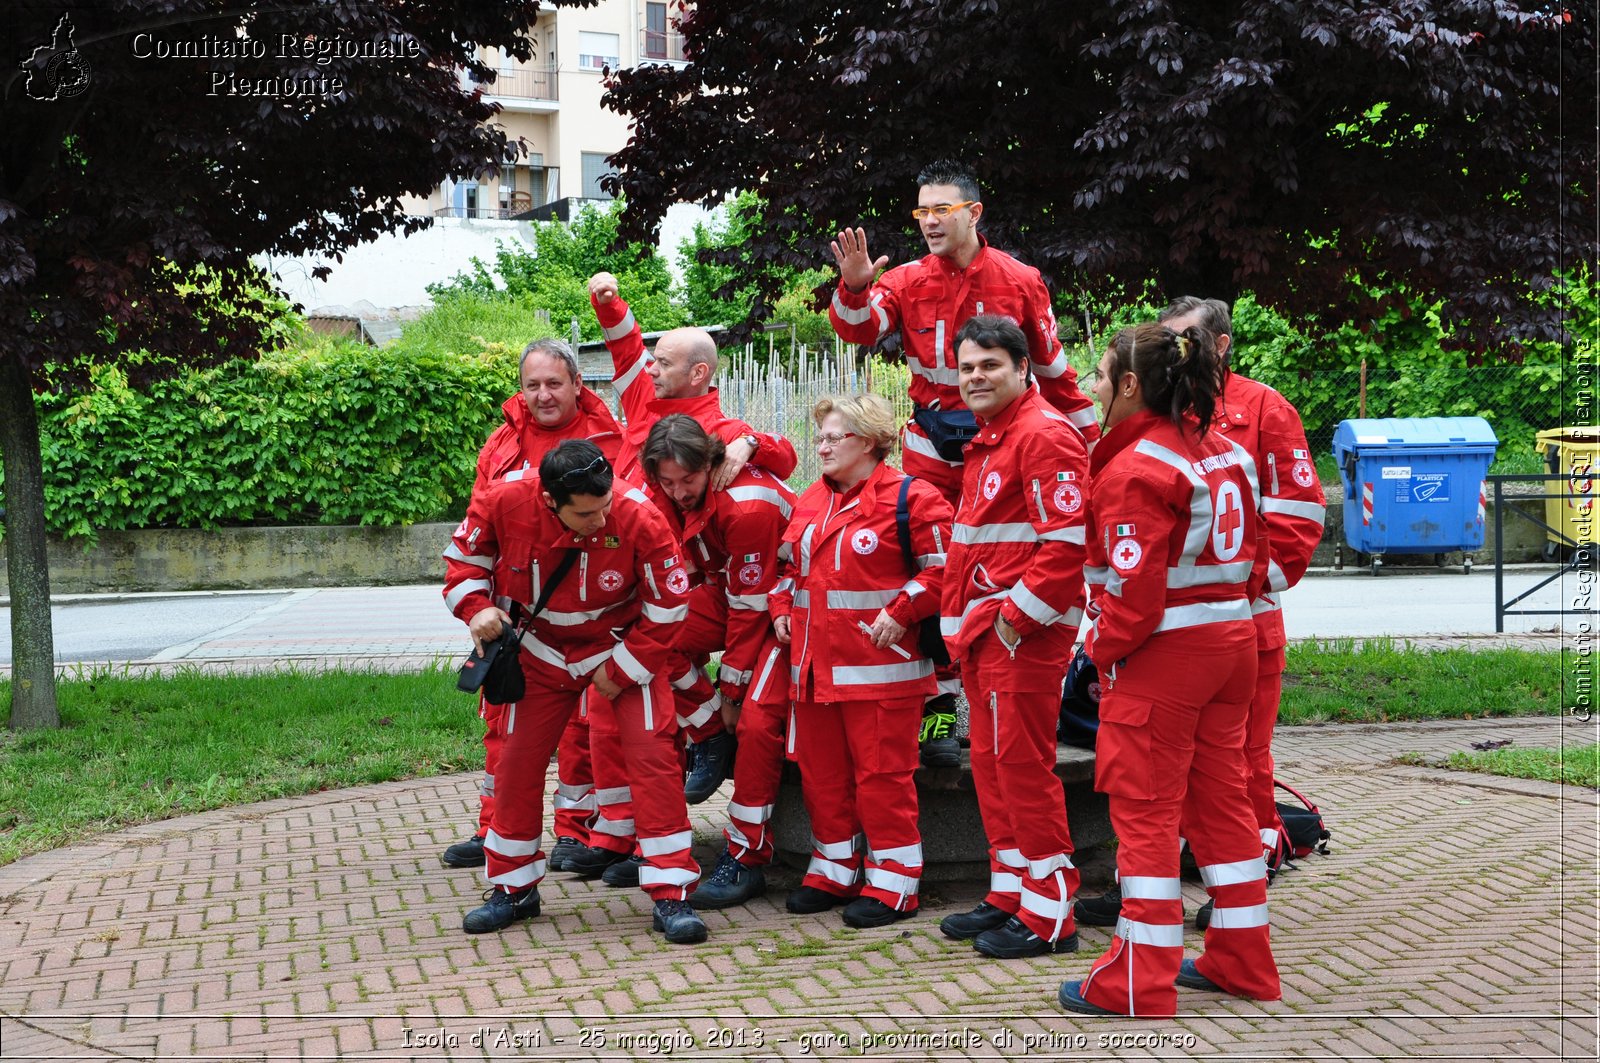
(33, 674)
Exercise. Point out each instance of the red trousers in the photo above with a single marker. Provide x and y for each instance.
(759, 765)
(1024, 809)
(704, 632)
(1170, 750)
(574, 796)
(1258, 744)
(642, 723)
(857, 762)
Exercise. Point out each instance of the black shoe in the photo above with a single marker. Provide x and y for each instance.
(1103, 910)
(710, 763)
(501, 910)
(970, 924)
(1014, 940)
(1071, 998)
(623, 873)
(590, 861)
(1202, 917)
(679, 922)
(729, 883)
(565, 847)
(866, 912)
(808, 900)
(465, 854)
(1190, 977)
(938, 739)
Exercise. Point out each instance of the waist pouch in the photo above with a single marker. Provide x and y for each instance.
(948, 430)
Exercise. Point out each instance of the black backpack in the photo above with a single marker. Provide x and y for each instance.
(1079, 722)
(929, 641)
(1303, 830)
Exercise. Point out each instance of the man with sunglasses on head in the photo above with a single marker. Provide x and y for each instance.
(589, 567)
(927, 302)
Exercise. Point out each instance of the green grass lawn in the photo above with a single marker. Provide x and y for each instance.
(133, 749)
(1574, 765)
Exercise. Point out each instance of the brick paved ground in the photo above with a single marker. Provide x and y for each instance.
(1455, 918)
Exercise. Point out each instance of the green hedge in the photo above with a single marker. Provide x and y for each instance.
(339, 433)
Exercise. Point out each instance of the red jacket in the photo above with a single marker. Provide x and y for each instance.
(927, 302)
(618, 607)
(1018, 539)
(1173, 536)
(641, 408)
(845, 565)
(517, 446)
(1267, 425)
(734, 540)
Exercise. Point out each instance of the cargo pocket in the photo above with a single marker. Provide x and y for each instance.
(1122, 765)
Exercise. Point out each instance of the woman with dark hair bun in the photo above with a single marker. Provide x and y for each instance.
(1172, 560)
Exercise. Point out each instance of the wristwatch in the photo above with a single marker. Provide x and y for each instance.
(754, 441)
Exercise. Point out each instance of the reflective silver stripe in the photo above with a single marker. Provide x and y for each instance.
(486, 786)
(1036, 609)
(844, 876)
(455, 553)
(622, 383)
(914, 442)
(750, 603)
(948, 377)
(848, 314)
(969, 534)
(755, 493)
(1263, 605)
(666, 844)
(625, 660)
(869, 674)
(759, 686)
(734, 676)
(1045, 907)
(520, 878)
(649, 707)
(928, 560)
(614, 795)
(1071, 534)
(662, 615)
(1291, 508)
(783, 586)
(1011, 857)
(1039, 869)
(1053, 368)
(1150, 888)
(909, 855)
(882, 314)
(1203, 575)
(749, 813)
(1239, 918)
(1161, 935)
(582, 616)
(701, 714)
(547, 654)
(510, 846)
(589, 663)
(912, 589)
(861, 599)
(454, 596)
(1200, 514)
(1203, 613)
(892, 882)
(1277, 579)
(802, 599)
(1004, 882)
(617, 828)
(621, 328)
(1269, 837)
(736, 836)
(950, 626)
(939, 356)
(636, 495)
(805, 550)
(1234, 874)
(1083, 418)
(687, 679)
(1096, 576)
(650, 875)
(835, 850)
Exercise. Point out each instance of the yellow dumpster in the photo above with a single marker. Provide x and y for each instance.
(1574, 452)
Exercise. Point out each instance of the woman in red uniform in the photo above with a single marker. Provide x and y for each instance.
(849, 607)
(1172, 560)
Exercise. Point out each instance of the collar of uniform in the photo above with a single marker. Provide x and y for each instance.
(991, 432)
(707, 408)
(977, 260)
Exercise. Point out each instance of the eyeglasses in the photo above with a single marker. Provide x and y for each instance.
(943, 210)
(833, 440)
(571, 476)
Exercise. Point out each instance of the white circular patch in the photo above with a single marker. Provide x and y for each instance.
(610, 579)
(678, 581)
(1068, 498)
(750, 575)
(991, 485)
(1126, 554)
(1303, 473)
(864, 541)
(1227, 527)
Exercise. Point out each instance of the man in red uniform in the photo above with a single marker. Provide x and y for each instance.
(732, 539)
(1013, 597)
(927, 302)
(1268, 427)
(593, 563)
(552, 406)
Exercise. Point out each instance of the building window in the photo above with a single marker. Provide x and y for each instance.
(655, 31)
(594, 168)
(598, 50)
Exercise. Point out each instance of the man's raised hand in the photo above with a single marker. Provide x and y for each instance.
(856, 266)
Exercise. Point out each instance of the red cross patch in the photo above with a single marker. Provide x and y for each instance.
(677, 581)
(1126, 554)
(864, 541)
(610, 580)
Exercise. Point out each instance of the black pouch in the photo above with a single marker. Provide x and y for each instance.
(948, 430)
(495, 671)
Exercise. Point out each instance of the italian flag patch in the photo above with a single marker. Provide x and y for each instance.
(751, 559)
(1301, 454)
(1063, 476)
(1124, 530)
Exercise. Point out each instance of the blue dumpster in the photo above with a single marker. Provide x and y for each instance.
(1414, 485)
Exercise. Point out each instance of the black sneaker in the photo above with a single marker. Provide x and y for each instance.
(729, 883)
(679, 921)
(867, 912)
(465, 854)
(1202, 916)
(1103, 910)
(623, 873)
(564, 848)
(591, 861)
(710, 764)
(1190, 977)
(1014, 941)
(938, 739)
(808, 900)
(967, 925)
(501, 909)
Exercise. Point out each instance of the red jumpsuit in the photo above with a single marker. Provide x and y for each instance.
(1175, 550)
(733, 542)
(1018, 553)
(618, 609)
(927, 302)
(1267, 425)
(512, 451)
(858, 708)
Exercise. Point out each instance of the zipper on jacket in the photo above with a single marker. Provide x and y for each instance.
(1038, 501)
(536, 583)
(1272, 465)
(583, 575)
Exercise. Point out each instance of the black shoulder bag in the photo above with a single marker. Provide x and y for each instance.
(496, 669)
(929, 641)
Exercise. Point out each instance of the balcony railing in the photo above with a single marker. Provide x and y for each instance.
(661, 45)
(524, 83)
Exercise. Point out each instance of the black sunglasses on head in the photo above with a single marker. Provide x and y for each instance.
(571, 476)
